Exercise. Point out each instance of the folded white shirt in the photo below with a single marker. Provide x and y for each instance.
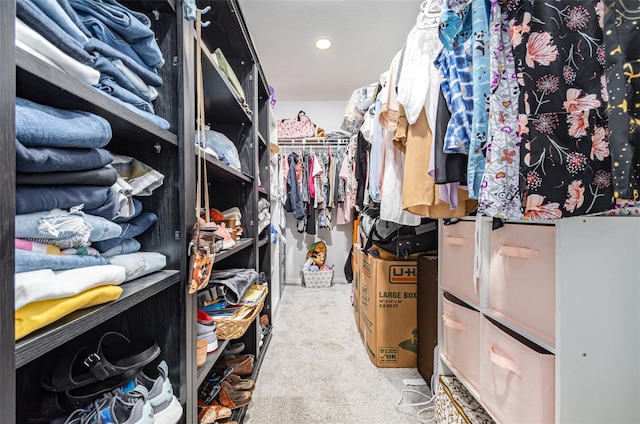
(45, 284)
(25, 36)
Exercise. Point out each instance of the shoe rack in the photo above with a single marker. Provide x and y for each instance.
(156, 306)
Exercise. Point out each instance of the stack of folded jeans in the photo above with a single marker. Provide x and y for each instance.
(101, 43)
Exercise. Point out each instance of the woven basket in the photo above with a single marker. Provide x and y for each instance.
(231, 329)
(316, 279)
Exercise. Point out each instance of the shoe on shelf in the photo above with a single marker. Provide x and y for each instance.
(234, 348)
(206, 330)
(240, 384)
(132, 407)
(225, 235)
(201, 352)
(233, 213)
(232, 398)
(241, 365)
(166, 407)
(209, 413)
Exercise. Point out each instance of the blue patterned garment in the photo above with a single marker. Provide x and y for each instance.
(481, 89)
(457, 87)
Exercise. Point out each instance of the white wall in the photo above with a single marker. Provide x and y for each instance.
(327, 115)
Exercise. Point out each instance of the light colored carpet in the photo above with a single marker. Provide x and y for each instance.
(317, 371)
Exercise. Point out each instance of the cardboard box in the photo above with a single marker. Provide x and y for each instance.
(388, 305)
(356, 262)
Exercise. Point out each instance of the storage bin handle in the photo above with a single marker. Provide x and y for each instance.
(454, 325)
(504, 362)
(457, 241)
(519, 252)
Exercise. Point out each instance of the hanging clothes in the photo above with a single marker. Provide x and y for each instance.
(621, 40)
(420, 197)
(391, 203)
(361, 168)
(294, 202)
(565, 166)
(500, 194)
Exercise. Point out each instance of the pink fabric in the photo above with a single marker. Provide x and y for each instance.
(522, 287)
(457, 261)
(518, 379)
(462, 340)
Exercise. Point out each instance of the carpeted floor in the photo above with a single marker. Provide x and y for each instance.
(317, 371)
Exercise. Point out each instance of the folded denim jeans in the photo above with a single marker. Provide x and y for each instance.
(37, 20)
(105, 176)
(55, 159)
(99, 201)
(137, 209)
(29, 40)
(154, 119)
(109, 70)
(109, 86)
(57, 13)
(236, 282)
(45, 284)
(100, 31)
(130, 229)
(31, 261)
(65, 229)
(148, 92)
(132, 27)
(139, 264)
(148, 75)
(125, 246)
(45, 126)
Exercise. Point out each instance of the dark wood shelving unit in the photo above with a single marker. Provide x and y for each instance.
(211, 361)
(44, 84)
(263, 241)
(240, 245)
(76, 323)
(221, 171)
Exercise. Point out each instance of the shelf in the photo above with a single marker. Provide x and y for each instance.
(219, 170)
(263, 190)
(220, 101)
(263, 142)
(520, 330)
(227, 30)
(240, 245)
(263, 352)
(212, 358)
(76, 323)
(263, 242)
(459, 376)
(238, 415)
(42, 83)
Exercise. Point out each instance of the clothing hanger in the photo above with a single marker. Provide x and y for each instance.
(429, 16)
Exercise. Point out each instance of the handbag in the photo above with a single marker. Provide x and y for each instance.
(403, 240)
(300, 127)
(201, 248)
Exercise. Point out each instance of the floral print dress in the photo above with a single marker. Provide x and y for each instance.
(565, 161)
(500, 189)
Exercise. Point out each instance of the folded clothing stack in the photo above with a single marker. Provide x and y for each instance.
(67, 198)
(100, 42)
(114, 378)
(264, 217)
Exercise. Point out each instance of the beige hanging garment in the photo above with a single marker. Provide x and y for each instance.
(420, 193)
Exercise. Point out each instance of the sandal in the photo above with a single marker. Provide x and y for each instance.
(209, 413)
(242, 365)
(240, 384)
(233, 399)
(113, 355)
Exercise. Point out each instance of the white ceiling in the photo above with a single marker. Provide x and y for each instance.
(365, 34)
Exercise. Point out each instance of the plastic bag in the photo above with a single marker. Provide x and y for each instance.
(222, 146)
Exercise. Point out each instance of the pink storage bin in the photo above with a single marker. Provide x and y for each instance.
(462, 338)
(522, 282)
(518, 378)
(457, 261)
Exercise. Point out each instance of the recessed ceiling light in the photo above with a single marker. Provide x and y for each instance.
(323, 43)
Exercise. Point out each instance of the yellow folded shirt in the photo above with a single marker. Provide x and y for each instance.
(36, 315)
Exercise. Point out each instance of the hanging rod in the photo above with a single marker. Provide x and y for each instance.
(312, 141)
